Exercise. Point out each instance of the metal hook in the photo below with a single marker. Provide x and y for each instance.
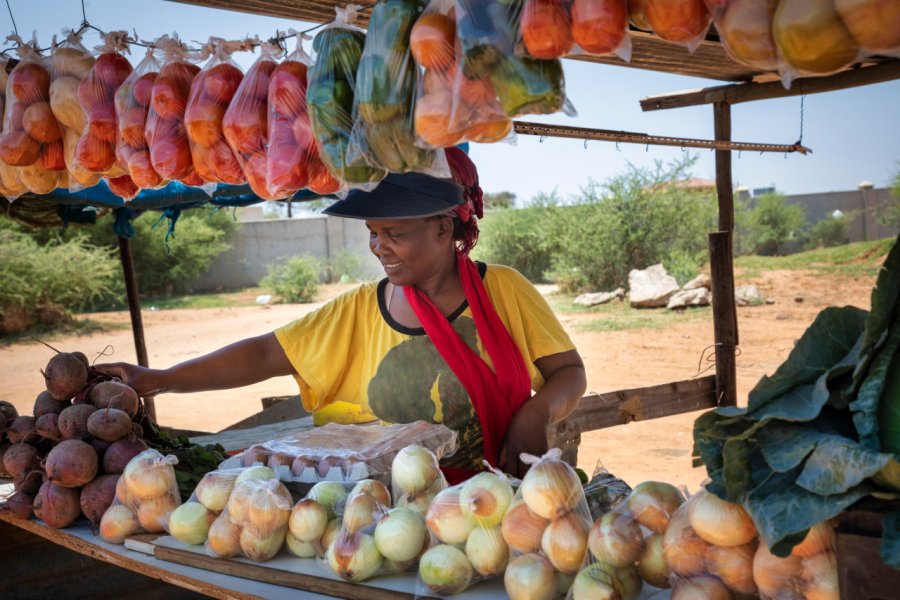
(647, 148)
(617, 147)
(541, 139)
(739, 154)
(585, 144)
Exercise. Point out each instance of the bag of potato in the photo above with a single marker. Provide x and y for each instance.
(465, 543)
(10, 185)
(32, 137)
(170, 150)
(245, 123)
(146, 493)
(211, 93)
(255, 519)
(190, 522)
(70, 63)
(132, 102)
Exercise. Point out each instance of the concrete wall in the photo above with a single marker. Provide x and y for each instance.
(261, 243)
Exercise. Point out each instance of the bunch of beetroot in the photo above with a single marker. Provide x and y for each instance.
(66, 458)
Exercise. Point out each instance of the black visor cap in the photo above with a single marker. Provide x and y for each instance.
(400, 196)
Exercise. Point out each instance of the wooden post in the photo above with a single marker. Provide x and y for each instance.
(722, 267)
(134, 307)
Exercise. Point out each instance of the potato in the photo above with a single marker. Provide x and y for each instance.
(39, 180)
(64, 102)
(70, 61)
(76, 170)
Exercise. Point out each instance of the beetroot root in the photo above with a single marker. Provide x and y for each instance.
(65, 375)
(22, 430)
(29, 483)
(20, 504)
(8, 413)
(115, 394)
(47, 426)
(71, 463)
(96, 497)
(21, 458)
(109, 424)
(56, 505)
(44, 404)
(73, 421)
(120, 452)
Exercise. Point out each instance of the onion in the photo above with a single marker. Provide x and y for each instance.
(214, 489)
(261, 545)
(652, 565)
(485, 498)
(399, 534)
(720, 522)
(118, 523)
(734, 566)
(531, 577)
(300, 548)
(774, 575)
(189, 523)
(487, 551)
(446, 520)
(331, 532)
(615, 538)
(361, 510)
(414, 469)
(329, 494)
(269, 507)
(652, 503)
(820, 538)
(354, 556)
(565, 542)
(595, 582)
(708, 588)
(308, 520)
(373, 487)
(551, 488)
(445, 569)
(820, 577)
(685, 551)
(522, 529)
(147, 477)
(224, 539)
(260, 472)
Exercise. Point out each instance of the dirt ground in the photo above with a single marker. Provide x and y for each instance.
(658, 449)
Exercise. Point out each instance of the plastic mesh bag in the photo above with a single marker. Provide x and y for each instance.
(683, 22)
(132, 108)
(10, 185)
(190, 521)
(330, 99)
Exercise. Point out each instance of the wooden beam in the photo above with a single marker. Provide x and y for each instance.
(724, 316)
(889, 70)
(134, 308)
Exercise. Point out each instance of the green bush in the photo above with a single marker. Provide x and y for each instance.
(890, 214)
(830, 231)
(767, 225)
(295, 279)
(345, 266)
(44, 284)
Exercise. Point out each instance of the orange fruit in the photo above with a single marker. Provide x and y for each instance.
(432, 41)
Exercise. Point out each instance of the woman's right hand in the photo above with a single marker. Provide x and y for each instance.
(146, 382)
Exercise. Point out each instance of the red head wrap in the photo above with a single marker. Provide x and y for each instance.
(463, 171)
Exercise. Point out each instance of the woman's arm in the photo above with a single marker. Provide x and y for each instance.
(243, 363)
(564, 385)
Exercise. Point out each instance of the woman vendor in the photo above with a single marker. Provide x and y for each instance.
(441, 338)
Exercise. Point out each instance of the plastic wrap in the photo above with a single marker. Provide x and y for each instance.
(255, 519)
(344, 453)
(96, 148)
(70, 63)
(170, 151)
(682, 22)
(552, 28)
(10, 185)
(808, 572)
(293, 156)
(874, 24)
(451, 108)
(487, 31)
(601, 27)
(384, 132)
(146, 493)
(211, 93)
(330, 100)
(745, 29)
(132, 102)
(190, 522)
(246, 121)
(28, 124)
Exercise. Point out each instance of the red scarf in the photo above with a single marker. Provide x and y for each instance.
(496, 395)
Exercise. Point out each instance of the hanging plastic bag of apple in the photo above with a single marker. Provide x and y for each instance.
(246, 121)
(10, 185)
(170, 150)
(552, 29)
(132, 102)
(211, 93)
(190, 521)
(384, 132)
(146, 493)
(30, 130)
(451, 108)
(330, 99)
(255, 519)
(70, 63)
(465, 544)
(293, 159)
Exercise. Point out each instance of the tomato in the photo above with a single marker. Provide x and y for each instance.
(432, 41)
(221, 82)
(679, 21)
(546, 28)
(599, 26)
(39, 122)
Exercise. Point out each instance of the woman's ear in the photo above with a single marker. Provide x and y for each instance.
(445, 227)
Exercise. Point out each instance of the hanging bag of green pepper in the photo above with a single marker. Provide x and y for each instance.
(330, 100)
(384, 133)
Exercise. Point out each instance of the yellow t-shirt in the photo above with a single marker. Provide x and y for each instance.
(355, 363)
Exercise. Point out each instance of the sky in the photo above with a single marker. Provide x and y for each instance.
(854, 134)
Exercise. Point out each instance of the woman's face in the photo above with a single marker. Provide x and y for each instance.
(411, 250)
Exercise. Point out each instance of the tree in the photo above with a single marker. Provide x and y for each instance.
(890, 214)
(769, 223)
(499, 200)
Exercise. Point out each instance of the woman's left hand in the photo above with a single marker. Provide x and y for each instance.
(527, 433)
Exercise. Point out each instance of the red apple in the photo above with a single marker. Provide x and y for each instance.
(30, 82)
(171, 157)
(123, 187)
(225, 165)
(546, 28)
(15, 117)
(303, 133)
(256, 82)
(124, 152)
(95, 154)
(18, 149)
(39, 122)
(287, 88)
(182, 71)
(811, 37)
(90, 92)
(193, 179)
(52, 157)
(169, 97)
(286, 168)
(142, 171)
(203, 121)
(143, 89)
(245, 126)
(221, 82)
(111, 69)
(131, 126)
(320, 180)
(746, 32)
(255, 170)
(874, 24)
(679, 21)
(599, 26)
(102, 121)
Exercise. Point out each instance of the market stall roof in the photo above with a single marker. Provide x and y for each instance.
(709, 60)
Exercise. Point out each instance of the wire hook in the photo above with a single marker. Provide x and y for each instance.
(585, 144)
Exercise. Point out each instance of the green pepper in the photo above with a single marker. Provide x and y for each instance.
(529, 86)
(487, 33)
